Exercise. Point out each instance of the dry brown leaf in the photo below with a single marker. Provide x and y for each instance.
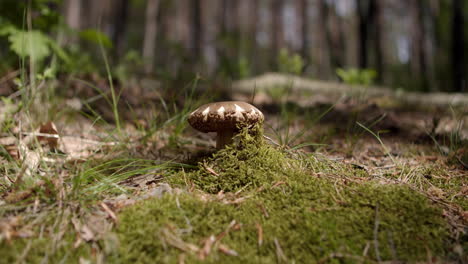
(9, 144)
(83, 230)
(79, 148)
(10, 228)
(49, 134)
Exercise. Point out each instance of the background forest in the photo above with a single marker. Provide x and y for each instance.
(413, 45)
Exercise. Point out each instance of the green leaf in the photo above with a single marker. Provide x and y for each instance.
(33, 44)
(96, 37)
(7, 29)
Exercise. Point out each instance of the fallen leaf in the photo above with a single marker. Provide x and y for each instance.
(48, 133)
(83, 230)
(9, 144)
(79, 148)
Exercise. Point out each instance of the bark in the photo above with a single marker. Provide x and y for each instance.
(211, 30)
(303, 7)
(362, 6)
(277, 26)
(336, 90)
(120, 26)
(335, 39)
(73, 13)
(322, 33)
(367, 17)
(149, 42)
(376, 8)
(458, 44)
(196, 32)
(418, 54)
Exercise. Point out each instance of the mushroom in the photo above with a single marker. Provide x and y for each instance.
(225, 119)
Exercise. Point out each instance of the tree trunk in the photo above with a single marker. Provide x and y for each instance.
(376, 9)
(322, 33)
(458, 44)
(303, 7)
(364, 13)
(418, 54)
(73, 14)
(210, 25)
(149, 42)
(196, 32)
(276, 28)
(120, 26)
(335, 39)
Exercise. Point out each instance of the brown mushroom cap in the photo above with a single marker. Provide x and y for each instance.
(221, 116)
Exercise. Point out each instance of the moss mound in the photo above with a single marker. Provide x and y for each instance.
(388, 223)
(246, 165)
(302, 218)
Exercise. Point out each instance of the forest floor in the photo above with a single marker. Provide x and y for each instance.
(354, 179)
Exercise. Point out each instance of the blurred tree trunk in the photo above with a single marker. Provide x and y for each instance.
(276, 29)
(149, 42)
(336, 41)
(370, 32)
(458, 47)
(302, 8)
(210, 18)
(349, 24)
(196, 31)
(230, 10)
(377, 17)
(253, 17)
(322, 33)
(246, 13)
(365, 13)
(73, 13)
(120, 26)
(418, 53)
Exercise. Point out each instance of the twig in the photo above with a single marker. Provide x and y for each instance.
(260, 234)
(109, 211)
(9, 76)
(279, 252)
(230, 252)
(376, 233)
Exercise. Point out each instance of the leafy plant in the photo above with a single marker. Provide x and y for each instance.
(33, 44)
(355, 76)
(290, 62)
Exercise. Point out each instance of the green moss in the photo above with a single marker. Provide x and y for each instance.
(49, 248)
(310, 209)
(307, 223)
(310, 217)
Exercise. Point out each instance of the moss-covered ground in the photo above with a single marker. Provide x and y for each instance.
(358, 198)
(285, 212)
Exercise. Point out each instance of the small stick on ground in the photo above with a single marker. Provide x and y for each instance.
(260, 234)
(376, 233)
(279, 252)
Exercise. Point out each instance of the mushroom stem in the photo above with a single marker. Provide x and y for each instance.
(223, 138)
